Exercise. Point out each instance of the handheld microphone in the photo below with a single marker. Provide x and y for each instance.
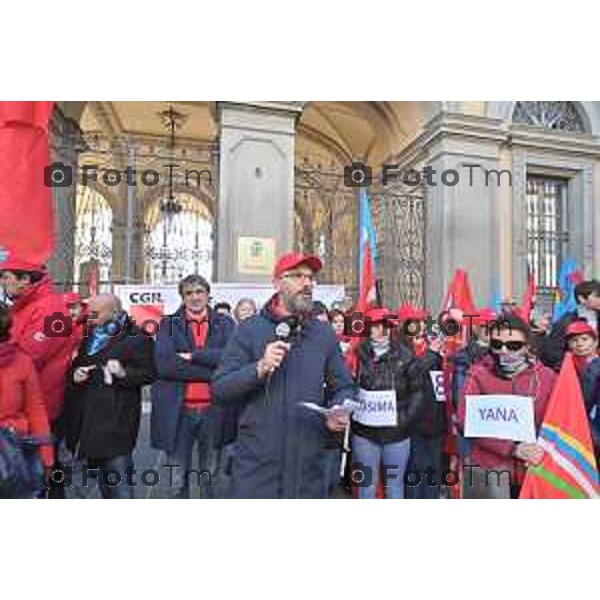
(282, 334)
(283, 331)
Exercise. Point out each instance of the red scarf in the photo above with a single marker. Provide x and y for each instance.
(197, 393)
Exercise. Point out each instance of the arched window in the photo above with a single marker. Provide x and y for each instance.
(178, 243)
(93, 234)
(553, 114)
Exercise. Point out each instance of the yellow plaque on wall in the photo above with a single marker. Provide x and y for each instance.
(256, 256)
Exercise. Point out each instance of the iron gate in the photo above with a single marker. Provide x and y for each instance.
(326, 224)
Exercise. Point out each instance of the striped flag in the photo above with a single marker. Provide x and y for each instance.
(569, 468)
(568, 278)
(368, 256)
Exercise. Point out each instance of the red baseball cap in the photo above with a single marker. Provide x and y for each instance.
(484, 316)
(71, 298)
(291, 260)
(380, 315)
(580, 328)
(407, 312)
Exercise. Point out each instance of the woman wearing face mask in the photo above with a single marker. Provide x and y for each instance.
(582, 341)
(391, 391)
(510, 368)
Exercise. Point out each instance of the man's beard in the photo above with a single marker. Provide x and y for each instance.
(297, 303)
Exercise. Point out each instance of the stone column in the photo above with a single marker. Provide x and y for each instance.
(464, 221)
(256, 190)
(66, 142)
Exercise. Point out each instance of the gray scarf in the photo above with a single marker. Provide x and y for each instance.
(380, 348)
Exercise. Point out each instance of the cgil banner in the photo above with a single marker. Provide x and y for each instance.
(151, 302)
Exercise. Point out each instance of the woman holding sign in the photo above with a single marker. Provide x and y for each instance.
(391, 392)
(505, 395)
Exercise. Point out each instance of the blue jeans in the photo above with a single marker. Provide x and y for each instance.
(426, 453)
(195, 429)
(112, 476)
(374, 454)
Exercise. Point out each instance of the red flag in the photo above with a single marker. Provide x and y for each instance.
(569, 468)
(93, 279)
(528, 299)
(459, 294)
(24, 154)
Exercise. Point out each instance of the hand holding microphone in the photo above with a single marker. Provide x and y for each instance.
(275, 352)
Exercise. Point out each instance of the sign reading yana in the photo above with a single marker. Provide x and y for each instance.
(501, 416)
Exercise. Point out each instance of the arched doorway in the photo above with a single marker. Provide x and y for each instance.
(178, 240)
(93, 237)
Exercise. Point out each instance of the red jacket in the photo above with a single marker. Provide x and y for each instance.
(21, 405)
(51, 355)
(536, 381)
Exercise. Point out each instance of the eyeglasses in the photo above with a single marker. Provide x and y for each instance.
(296, 276)
(198, 291)
(513, 346)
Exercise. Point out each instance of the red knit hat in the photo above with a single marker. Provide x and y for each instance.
(16, 264)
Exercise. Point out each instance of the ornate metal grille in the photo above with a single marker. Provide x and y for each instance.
(399, 219)
(178, 244)
(83, 238)
(549, 114)
(547, 230)
(326, 221)
(93, 234)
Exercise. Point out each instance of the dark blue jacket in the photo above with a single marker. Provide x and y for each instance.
(280, 442)
(174, 372)
(590, 387)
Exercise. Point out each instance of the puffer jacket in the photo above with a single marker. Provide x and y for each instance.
(589, 378)
(399, 369)
(33, 314)
(431, 420)
(22, 407)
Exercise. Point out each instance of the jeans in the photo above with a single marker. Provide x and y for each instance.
(112, 476)
(195, 429)
(426, 453)
(394, 456)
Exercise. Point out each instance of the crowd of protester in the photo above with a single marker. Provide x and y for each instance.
(264, 399)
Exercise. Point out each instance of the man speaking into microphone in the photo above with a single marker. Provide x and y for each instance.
(277, 365)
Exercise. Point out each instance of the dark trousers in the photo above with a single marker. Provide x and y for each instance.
(426, 453)
(112, 476)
